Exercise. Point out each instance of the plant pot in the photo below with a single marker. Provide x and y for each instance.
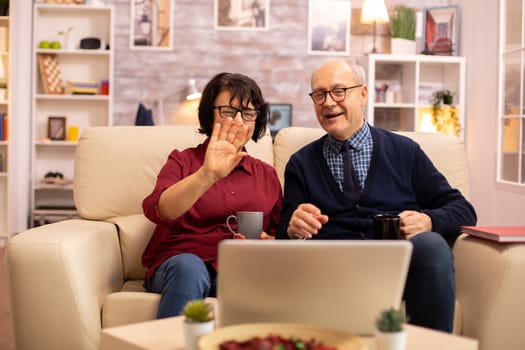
(193, 331)
(399, 46)
(391, 340)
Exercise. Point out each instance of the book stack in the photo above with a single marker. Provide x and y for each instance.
(87, 87)
(4, 127)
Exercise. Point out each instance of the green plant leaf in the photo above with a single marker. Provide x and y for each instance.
(198, 311)
(403, 24)
(390, 320)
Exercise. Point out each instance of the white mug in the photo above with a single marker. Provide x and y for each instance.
(249, 223)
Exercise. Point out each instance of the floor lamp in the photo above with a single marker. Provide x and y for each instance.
(374, 12)
(188, 100)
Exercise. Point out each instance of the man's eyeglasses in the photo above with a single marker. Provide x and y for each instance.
(247, 114)
(337, 94)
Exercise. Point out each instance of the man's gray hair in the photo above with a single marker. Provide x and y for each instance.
(359, 72)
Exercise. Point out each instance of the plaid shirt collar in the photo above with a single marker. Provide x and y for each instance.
(357, 140)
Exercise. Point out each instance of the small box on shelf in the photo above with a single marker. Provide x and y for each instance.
(2, 162)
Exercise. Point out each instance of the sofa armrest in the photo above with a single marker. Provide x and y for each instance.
(59, 275)
(490, 288)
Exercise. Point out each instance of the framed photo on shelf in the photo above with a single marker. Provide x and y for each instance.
(440, 30)
(151, 25)
(56, 128)
(329, 27)
(241, 14)
(280, 117)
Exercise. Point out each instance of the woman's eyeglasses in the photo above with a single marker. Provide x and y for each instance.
(247, 114)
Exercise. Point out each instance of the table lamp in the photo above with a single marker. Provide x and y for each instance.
(374, 11)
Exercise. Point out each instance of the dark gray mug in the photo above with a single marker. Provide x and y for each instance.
(249, 223)
(386, 226)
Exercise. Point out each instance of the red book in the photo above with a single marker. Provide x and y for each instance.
(6, 128)
(506, 234)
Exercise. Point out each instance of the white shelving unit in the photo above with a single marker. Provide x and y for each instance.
(411, 79)
(54, 202)
(4, 109)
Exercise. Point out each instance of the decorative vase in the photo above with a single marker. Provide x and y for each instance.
(391, 340)
(193, 331)
(399, 46)
(69, 44)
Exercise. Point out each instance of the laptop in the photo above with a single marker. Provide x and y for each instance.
(338, 284)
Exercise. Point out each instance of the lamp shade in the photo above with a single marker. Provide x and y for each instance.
(192, 93)
(374, 11)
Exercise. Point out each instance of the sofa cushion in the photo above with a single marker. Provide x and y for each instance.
(129, 307)
(448, 155)
(134, 233)
(447, 152)
(113, 184)
(288, 141)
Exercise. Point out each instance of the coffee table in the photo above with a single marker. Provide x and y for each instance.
(166, 334)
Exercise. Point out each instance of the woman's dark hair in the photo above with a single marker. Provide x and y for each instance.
(240, 86)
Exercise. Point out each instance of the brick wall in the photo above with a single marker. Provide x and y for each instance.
(277, 59)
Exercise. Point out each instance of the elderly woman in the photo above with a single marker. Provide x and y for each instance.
(198, 188)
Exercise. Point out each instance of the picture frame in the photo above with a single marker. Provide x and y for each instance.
(441, 30)
(241, 14)
(329, 23)
(56, 128)
(151, 25)
(280, 116)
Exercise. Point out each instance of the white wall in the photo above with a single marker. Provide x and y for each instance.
(20, 120)
(495, 204)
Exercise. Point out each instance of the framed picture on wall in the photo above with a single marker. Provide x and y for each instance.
(56, 128)
(440, 30)
(241, 14)
(151, 25)
(280, 117)
(329, 27)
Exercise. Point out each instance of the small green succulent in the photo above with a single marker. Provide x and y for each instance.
(390, 320)
(197, 311)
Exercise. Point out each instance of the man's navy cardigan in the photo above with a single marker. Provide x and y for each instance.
(400, 177)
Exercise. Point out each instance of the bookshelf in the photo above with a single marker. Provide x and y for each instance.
(411, 80)
(59, 114)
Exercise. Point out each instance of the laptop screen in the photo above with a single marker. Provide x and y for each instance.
(338, 284)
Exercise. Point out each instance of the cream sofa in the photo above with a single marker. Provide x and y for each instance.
(70, 279)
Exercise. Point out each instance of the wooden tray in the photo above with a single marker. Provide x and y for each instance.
(327, 336)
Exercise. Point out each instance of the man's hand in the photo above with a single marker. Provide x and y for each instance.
(306, 221)
(413, 223)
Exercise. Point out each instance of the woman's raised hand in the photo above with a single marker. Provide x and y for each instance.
(225, 148)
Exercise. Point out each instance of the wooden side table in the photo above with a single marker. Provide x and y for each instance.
(166, 334)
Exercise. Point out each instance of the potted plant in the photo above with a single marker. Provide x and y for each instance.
(403, 30)
(68, 44)
(198, 320)
(390, 334)
(445, 119)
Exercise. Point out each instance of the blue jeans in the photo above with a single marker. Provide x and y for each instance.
(430, 291)
(179, 279)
